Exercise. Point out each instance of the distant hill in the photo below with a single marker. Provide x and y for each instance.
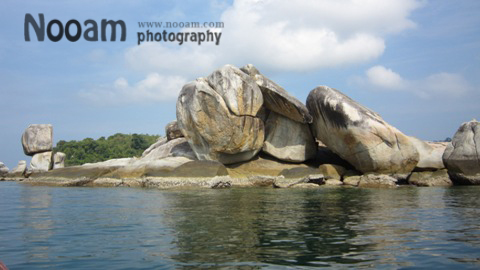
(116, 146)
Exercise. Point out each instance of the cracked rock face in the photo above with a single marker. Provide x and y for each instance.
(462, 155)
(359, 135)
(217, 115)
(288, 140)
(278, 99)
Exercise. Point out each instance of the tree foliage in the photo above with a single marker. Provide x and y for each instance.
(116, 146)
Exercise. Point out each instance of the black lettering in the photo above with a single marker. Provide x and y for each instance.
(60, 30)
(67, 30)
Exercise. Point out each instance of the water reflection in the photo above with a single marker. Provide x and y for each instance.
(304, 227)
(124, 228)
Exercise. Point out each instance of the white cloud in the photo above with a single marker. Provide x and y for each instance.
(153, 88)
(385, 78)
(274, 35)
(440, 84)
(280, 36)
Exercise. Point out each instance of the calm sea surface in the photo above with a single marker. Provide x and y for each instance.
(128, 228)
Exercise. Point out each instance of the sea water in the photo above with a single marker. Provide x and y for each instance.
(247, 228)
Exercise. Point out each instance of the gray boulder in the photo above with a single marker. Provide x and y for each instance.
(288, 140)
(278, 99)
(19, 170)
(37, 138)
(41, 162)
(359, 135)
(462, 155)
(59, 160)
(175, 148)
(430, 154)
(172, 131)
(3, 170)
(224, 130)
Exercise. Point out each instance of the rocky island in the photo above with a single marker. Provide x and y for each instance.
(236, 127)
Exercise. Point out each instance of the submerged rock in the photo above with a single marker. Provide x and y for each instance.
(288, 140)
(207, 121)
(37, 138)
(462, 155)
(377, 181)
(42, 162)
(278, 99)
(359, 135)
(430, 179)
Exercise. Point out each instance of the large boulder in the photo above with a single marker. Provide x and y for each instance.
(359, 135)
(59, 160)
(175, 148)
(173, 131)
(288, 140)
(41, 162)
(218, 119)
(430, 154)
(19, 170)
(278, 99)
(37, 138)
(462, 155)
(3, 170)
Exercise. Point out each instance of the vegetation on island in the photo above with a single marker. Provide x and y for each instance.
(116, 146)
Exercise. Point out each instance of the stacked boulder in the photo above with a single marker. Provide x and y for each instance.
(233, 114)
(37, 141)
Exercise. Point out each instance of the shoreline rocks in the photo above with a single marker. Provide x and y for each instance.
(237, 128)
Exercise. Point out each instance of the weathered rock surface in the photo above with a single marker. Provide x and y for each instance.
(178, 147)
(238, 90)
(278, 99)
(37, 138)
(212, 131)
(430, 179)
(430, 154)
(288, 140)
(42, 161)
(333, 182)
(332, 171)
(352, 180)
(377, 181)
(359, 135)
(19, 170)
(173, 131)
(462, 155)
(159, 142)
(3, 170)
(264, 165)
(59, 160)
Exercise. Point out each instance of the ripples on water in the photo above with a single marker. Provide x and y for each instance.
(127, 228)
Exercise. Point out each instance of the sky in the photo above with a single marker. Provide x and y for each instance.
(416, 63)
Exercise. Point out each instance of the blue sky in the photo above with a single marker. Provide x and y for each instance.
(416, 63)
